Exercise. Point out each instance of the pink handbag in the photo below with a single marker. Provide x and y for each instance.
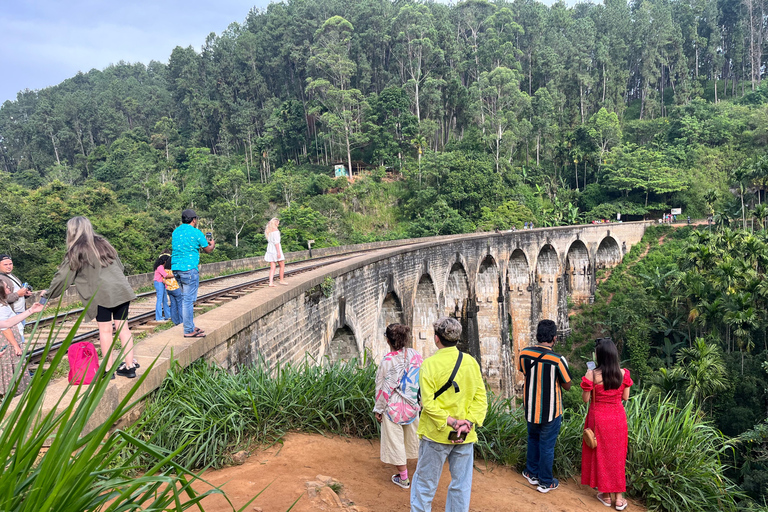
(83, 363)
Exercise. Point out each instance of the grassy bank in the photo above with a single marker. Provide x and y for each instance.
(674, 460)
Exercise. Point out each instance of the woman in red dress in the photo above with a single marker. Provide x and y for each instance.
(604, 468)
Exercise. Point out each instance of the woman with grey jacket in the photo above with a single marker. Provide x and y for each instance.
(93, 266)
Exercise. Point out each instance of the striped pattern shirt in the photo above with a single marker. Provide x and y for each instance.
(545, 371)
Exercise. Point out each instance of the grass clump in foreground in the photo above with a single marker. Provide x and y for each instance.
(205, 413)
(62, 462)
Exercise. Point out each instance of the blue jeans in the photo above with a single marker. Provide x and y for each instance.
(541, 449)
(176, 299)
(188, 280)
(162, 310)
(431, 459)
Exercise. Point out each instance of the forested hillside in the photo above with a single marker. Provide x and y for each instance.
(470, 116)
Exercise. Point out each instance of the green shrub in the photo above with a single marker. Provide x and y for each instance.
(675, 458)
(213, 412)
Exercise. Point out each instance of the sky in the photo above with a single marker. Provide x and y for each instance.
(43, 42)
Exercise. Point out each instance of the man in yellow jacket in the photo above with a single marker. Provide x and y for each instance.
(454, 404)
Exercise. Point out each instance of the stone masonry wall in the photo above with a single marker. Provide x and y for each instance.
(504, 277)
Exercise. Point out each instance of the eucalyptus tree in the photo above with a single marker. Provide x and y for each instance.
(415, 48)
(343, 106)
(503, 106)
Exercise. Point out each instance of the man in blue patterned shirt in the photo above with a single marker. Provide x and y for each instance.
(187, 241)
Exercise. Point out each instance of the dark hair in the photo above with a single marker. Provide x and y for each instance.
(161, 261)
(608, 362)
(397, 335)
(546, 331)
(3, 295)
(168, 261)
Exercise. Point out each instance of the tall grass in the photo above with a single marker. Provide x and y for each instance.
(674, 459)
(215, 412)
(81, 468)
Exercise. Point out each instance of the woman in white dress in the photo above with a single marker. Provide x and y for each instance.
(274, 251)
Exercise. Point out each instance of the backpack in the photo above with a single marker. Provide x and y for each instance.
(83, 363)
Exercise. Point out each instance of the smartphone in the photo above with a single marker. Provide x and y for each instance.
(43, 300)
(453, 435)
(209, 235)
(591, 365)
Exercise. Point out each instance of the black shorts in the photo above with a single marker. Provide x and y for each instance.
(118, 313)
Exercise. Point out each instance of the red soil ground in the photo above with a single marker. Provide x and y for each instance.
(365, 479)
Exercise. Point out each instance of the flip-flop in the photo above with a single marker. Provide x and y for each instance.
(195, 335)
(623, 506)
(197, 329)
(601, 500)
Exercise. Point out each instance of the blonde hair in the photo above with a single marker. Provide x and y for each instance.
(84, 247)
(271, 226)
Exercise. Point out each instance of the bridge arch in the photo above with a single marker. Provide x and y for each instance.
(456, 299)
(519, 285)
(390, 311)
(547, 271)
(608, 253)
(489, 321)
(425, 312)
(343, 345)
(578, 273)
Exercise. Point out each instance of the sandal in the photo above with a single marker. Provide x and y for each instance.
(196, 334)
(600, 497)
(622, 506)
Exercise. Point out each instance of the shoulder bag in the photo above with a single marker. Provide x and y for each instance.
(590, 439)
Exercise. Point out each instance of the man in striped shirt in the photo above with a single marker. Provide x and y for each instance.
(545, 373)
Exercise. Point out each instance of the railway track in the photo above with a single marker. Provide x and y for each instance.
(211, 294)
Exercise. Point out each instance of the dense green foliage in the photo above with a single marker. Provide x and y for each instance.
(211, 412)
(690, 318)
(479, 115)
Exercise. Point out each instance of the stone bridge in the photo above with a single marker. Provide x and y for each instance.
(498, 284)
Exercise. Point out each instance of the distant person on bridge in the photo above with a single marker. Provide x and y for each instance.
(397, 403)
(174, 292)
(93, 266)
(19, 290)
(162, 309)
(453, 404)
(187, 241)
(545, 373)
(274, 251)
(604, 468)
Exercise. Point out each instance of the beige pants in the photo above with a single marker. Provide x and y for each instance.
(398, 442)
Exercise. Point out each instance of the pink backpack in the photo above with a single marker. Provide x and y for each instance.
(83, 362)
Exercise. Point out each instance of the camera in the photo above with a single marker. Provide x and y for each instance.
(26, 285)
(453, 435)
(209, 235)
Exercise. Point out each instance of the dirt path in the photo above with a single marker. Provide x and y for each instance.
(365, 479)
